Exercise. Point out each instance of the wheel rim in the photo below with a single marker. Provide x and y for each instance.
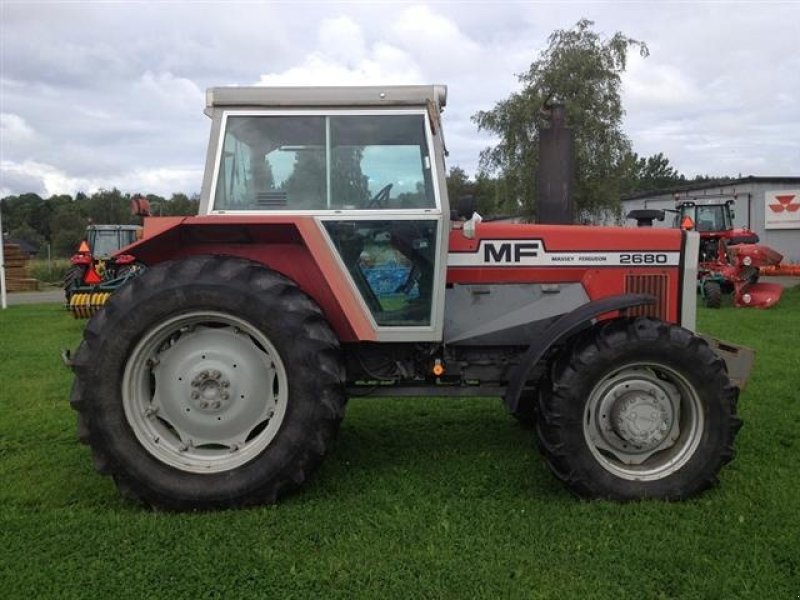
(643, 422)
(205, 392)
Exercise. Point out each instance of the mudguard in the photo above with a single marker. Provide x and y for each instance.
(564, 326)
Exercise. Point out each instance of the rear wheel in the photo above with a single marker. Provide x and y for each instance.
(73, 278)
(230, 385)
(638, 409)
(712, 294)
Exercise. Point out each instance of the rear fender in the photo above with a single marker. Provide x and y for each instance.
(290, 245)
(559, 330)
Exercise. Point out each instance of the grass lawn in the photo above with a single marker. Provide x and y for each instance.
(422, 498)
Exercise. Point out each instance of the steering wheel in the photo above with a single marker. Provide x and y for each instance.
(381, 199)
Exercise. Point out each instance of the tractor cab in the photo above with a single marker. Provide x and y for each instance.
(705, 218)
(105, 240)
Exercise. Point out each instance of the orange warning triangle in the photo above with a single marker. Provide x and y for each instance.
(92, 277)
(687, 223)
(84, 247)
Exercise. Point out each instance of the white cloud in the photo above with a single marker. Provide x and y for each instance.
(652, 86)
(341, 38)
(14, 129)
(342, 57)
(47, 179)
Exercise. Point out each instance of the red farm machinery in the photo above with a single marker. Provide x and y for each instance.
(98, 267)
(326, 262)
(730, 258)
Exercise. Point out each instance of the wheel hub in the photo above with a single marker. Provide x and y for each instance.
(637, 414)
(209, 391)
(641, 419)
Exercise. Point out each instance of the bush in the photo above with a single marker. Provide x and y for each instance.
(48, 271)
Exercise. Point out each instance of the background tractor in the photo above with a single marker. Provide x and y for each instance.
(98, 267)
(326, 263)
(730, 258)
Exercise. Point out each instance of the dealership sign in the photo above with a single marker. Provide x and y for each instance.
(782, 209)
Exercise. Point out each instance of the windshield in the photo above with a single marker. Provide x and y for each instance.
(712, 218)
(105, 242)
(326, 162)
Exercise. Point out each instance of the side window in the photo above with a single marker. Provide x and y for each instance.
(380, 162)
(392, 264)
(272, 163)
(359, 162)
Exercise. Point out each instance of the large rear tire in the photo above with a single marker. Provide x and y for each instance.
(206, 383)
(638, 409)
(73, 279)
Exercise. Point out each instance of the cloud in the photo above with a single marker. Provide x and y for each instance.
(343, 58)
(14, 129)
(47, 180)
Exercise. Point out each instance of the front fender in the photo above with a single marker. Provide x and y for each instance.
(560, 329)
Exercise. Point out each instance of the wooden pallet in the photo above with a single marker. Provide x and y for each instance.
(16, 265)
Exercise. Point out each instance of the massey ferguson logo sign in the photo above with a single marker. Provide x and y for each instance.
(782, 209)
(509, 251)
(532, 253)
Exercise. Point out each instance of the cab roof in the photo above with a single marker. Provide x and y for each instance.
(333, 96)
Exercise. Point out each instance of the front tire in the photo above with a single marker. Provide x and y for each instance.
(712, 294)
(206, 383)
(638, 409)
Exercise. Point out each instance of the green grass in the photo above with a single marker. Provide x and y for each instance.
(422, 498)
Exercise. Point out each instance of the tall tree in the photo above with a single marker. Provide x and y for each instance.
(582, 69)
(646, 174)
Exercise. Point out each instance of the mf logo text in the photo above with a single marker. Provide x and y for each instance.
(509, 252)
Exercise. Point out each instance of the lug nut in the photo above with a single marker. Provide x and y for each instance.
(195, 395)
(204, 405)
(225, 383)
(217, 404)
(215, 375)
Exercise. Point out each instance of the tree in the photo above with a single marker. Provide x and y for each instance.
(458, 184)
(110, 207)
(582, 69)
(640, 174)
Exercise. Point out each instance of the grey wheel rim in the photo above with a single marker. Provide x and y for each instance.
(643, 422)
(205, 392)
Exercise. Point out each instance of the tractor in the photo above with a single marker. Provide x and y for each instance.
(327, 262)
(98, 267)
(730, 258)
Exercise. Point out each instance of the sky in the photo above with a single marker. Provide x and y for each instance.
(111, 94)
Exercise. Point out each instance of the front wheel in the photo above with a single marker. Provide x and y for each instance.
(638, 409)
(206, 383)
(712, 294)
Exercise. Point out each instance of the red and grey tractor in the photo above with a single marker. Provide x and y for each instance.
(98, 267)
(730, 257)
(326, 263)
